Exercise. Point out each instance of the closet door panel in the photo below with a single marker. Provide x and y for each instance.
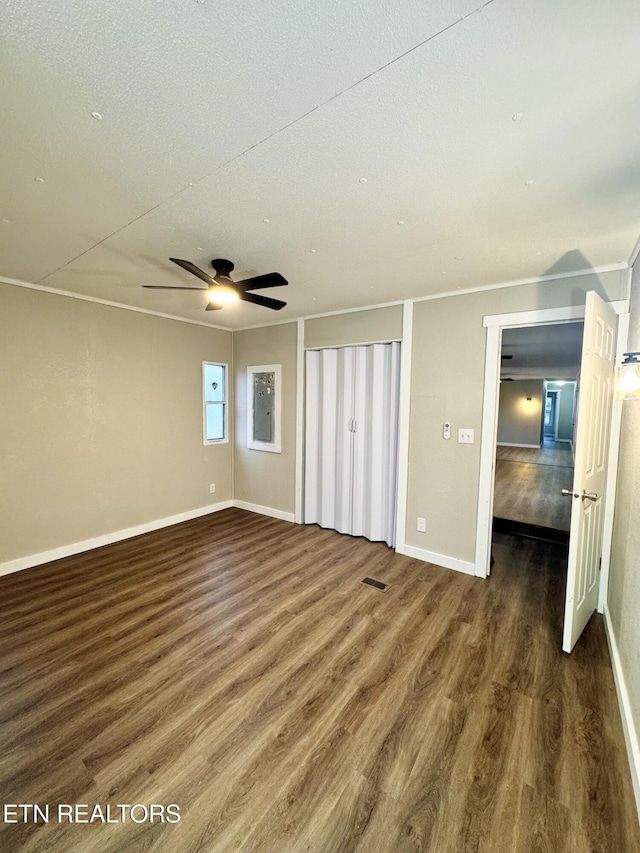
(328, 439)
(375, 452)
(361, 493)
(312, 439)
(391, 458)
(342, 460)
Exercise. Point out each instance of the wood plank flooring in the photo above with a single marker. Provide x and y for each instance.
(235, 665)
(529, 483)
(551, 453)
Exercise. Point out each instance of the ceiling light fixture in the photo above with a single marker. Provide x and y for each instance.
(223, 295)
(628, 379)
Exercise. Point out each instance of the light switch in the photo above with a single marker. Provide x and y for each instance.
(466, 436)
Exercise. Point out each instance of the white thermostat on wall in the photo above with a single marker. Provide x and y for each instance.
(446, 430)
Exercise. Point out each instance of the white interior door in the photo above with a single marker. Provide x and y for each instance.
(592, 442)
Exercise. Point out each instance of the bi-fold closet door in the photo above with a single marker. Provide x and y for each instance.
(351, 439)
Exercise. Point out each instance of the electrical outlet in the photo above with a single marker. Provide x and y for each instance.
(421, 525)
(466, 436)
(212, 488)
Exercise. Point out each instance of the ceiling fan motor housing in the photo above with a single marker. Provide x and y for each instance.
(222, 267)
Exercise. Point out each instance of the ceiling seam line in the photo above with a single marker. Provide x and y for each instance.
(274, 134)
(348, 89)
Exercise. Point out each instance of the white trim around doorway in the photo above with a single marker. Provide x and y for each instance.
(495, 323)
(404, 414)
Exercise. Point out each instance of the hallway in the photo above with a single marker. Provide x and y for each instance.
(529, 483)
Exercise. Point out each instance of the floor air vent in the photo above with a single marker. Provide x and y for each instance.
(377, 584)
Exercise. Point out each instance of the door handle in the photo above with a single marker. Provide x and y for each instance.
(568, 493)
(589, 496)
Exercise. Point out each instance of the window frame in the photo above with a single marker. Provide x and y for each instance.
(224, 403)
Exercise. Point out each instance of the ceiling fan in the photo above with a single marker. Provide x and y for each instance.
(221, 288)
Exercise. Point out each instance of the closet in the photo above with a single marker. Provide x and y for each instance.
(351, 439)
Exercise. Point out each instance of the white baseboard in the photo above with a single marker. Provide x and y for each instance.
(28, 562)
(437, 559)
(513, 444)
(266, 510)
(630, 734)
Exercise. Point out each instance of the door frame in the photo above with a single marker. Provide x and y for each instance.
(555, 394)
(494, 324)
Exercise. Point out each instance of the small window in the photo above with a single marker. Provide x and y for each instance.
(215, 402)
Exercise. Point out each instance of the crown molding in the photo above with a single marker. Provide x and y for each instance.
(14, 282)
(440, 295)
(520, 281)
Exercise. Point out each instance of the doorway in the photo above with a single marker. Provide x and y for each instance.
(351, 439)
(534, 460)
(594, 481)
(550, 415)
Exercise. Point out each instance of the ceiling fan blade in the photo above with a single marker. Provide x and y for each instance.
(171, 287)
(270, 279)
(211, 307)
(193, 269)
(264, 301)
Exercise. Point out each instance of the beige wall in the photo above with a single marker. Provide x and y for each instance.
(624, 579)
(268, 479)
(447, 385)
(261, 477)
(519, 419)
(100, 420)
(355, 327)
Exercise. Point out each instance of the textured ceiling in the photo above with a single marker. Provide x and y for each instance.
(391, 147)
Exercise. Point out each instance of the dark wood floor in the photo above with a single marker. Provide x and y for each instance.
(529, 483)
(235, 665)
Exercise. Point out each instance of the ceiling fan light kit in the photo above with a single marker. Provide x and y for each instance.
(223, 295)
(222, 290)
